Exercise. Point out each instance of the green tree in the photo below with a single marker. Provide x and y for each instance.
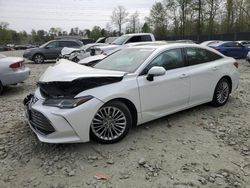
(158, 19)
(145, 28)
(96, 33)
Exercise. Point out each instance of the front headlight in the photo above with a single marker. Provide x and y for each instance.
(67, 102)
(73, 55)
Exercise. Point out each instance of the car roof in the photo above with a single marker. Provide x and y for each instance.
(136, 34)
(56, 40)
(75, 40)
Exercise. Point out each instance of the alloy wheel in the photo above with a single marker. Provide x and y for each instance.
(38, 59)
(109, 123)
(222, 92)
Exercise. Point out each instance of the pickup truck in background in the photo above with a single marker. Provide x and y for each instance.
(122, 40)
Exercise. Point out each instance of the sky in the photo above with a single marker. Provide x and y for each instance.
(44, 14)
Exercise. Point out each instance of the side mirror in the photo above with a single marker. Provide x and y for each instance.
(155, 71)
(46, 47)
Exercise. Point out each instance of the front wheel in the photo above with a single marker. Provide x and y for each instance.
(111, 123)
(38, 58)
(221, 93)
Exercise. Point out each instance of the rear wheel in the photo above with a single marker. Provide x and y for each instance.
(111, 123)
(221, 93)
(38, 58)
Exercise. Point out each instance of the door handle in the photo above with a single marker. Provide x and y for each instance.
(183, 76)
(215, 68)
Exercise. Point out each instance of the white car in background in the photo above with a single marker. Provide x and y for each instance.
(124, 40)
(76, 55)
(92, 60)
(12, 71)
(74, 103)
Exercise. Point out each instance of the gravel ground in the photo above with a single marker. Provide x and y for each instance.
(200, 147)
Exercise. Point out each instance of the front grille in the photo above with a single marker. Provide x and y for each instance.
(40, 123)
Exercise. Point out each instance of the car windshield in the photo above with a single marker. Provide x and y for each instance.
(120, 40)
(126, 60)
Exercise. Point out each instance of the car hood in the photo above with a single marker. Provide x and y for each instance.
(66, 71)
(31, 49)
(66, 50)
(67, 79)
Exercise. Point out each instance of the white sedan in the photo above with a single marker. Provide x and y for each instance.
(12, 71)
(74, 103)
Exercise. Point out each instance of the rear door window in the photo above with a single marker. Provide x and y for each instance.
(195, 56)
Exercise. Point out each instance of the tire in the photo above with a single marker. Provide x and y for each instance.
(105, 128)
(221, 93)
(38, 58)
(1, 88)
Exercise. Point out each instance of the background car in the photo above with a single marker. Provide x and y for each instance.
(92, 60)
(244, 42)
(50, 50)
(20, 47)
(207, 43)
(12, 71)
(76, 54)
(4, 48)
(87, 41)
(128, 88)
(231, 49)
(126, 39)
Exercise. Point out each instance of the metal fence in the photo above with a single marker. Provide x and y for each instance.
(201, 38)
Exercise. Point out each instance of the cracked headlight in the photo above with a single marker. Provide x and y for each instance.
(67, 102)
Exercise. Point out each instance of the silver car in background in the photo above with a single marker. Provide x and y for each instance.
(12, 71)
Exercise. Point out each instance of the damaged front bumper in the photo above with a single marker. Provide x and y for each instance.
(55, 125)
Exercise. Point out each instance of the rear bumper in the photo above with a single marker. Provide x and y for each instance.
(15, 77)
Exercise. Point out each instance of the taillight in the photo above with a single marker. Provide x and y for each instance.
(16, 65)
(236, 64)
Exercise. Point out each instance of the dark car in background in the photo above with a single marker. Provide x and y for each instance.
(4, 48)
(87, 41)
(231, 49)
(50, 50)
